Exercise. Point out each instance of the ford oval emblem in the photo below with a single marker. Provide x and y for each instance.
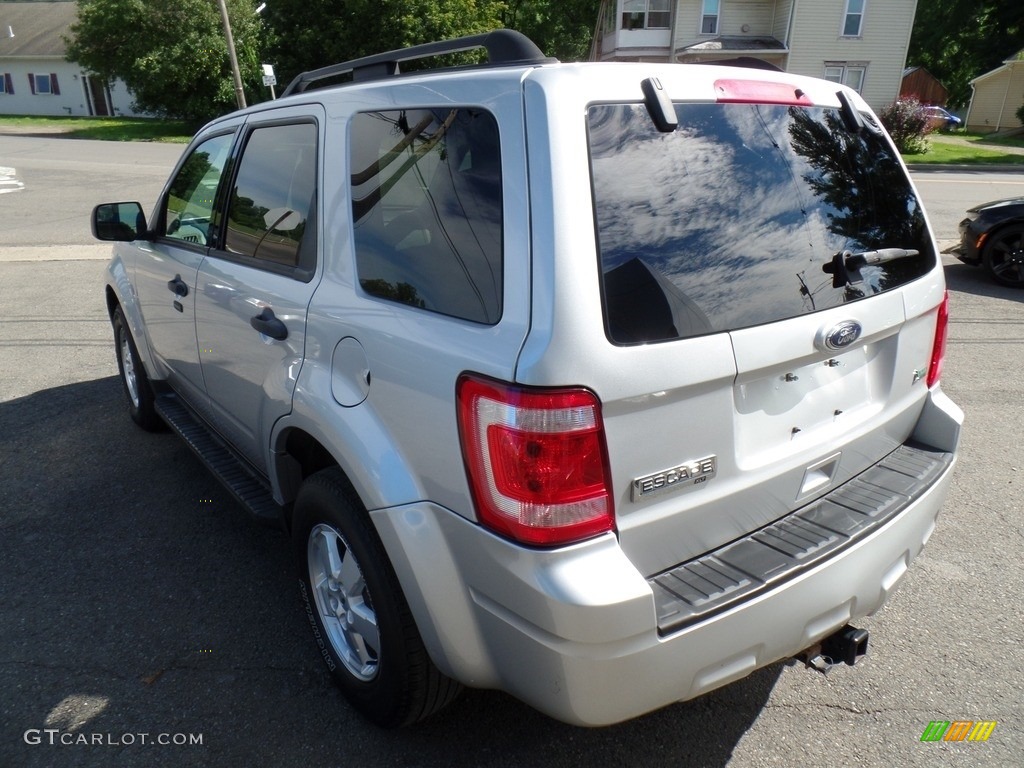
(842, 335)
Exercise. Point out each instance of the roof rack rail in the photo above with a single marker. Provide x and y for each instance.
(505, 48)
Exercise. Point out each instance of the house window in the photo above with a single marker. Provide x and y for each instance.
(646, 14)
(846, 73)
(709, 18)
(44, 85)
(854, 18)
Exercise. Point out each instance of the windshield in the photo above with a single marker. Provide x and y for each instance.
(736, 217)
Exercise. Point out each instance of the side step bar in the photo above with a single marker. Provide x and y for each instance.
(245, 485)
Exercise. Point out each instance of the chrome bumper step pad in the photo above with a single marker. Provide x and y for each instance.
(695, 590)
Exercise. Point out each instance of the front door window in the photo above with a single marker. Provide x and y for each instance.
(188, 211)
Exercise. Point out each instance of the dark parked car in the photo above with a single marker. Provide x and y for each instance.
(941, 120)
(993, 235)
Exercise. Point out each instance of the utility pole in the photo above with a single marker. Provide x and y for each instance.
(239, 92)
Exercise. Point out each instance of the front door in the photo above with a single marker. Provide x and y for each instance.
(167, 265)
(254, 287)
(98, 95)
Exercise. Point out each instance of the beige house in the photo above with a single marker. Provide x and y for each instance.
(997, 96)
(862, 43)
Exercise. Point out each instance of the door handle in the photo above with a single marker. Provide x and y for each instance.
(268, 324)
(177, 286)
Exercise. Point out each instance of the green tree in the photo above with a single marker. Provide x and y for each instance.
(171, 54)
(958, 40)
(315, 33)
(561, 28)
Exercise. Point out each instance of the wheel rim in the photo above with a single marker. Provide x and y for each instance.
(131, 381)
(1006, 259)
(343, 602)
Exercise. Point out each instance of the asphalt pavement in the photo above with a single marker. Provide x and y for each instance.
(146, 621)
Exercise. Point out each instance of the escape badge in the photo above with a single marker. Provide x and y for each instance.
(685, 475)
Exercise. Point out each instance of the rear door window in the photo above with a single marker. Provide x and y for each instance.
(272, 197)
(740, 216)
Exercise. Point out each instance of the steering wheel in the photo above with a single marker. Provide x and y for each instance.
(187, 232)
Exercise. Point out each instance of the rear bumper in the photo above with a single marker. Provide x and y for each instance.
(574, 632)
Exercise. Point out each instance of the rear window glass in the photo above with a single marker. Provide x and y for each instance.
(740, 216)
(426, 207)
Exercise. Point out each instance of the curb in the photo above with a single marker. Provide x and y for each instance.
(13, 253)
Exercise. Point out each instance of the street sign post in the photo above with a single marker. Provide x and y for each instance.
(269, 79)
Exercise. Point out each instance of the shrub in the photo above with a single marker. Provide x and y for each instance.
(907, 123)
(1020, 114)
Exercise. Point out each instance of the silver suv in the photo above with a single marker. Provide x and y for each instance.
(600, 384)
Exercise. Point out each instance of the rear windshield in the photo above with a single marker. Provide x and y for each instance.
(745, 214)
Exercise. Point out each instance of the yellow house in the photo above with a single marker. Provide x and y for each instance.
(861, 43)
(996, 97)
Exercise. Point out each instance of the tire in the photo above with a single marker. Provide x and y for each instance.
(1003, 256)
(137, 388)
(360, 620)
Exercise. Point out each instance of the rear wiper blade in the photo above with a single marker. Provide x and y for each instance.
(845, 266)
(882, 255)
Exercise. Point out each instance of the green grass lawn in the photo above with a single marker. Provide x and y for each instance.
(969, 149)
(986, 139)
(104, 128)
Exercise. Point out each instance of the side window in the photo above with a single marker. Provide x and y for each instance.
(646, 14)
(188, 211)
(853, 19)
(426, 207)
(709, 18)
(847, 73)
(272, 196)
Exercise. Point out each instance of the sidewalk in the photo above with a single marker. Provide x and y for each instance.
(947, 138)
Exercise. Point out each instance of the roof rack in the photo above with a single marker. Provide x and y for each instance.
(505, 48)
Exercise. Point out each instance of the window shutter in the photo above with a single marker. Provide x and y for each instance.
(32, 83)
(54, 88)
(9, 83)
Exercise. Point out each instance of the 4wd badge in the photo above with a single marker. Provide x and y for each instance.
(686, 475)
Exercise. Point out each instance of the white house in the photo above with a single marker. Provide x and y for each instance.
(36, 78)
(862, 43)
(996, 96)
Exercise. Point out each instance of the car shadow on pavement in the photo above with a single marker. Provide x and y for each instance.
(141, 602)
(967, 278)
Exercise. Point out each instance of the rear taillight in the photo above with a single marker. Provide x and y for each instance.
(536, 460)
(939, 347)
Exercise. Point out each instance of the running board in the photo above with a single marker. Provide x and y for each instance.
(250, 490)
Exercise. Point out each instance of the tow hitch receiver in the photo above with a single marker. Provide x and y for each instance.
(847, 645)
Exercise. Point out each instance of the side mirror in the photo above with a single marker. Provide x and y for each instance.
(121, 222)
